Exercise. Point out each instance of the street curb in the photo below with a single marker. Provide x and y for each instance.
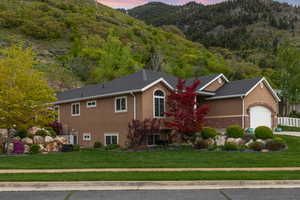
(144, 185)
(22, 171)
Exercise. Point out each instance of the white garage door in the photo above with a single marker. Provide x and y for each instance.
(260, 116)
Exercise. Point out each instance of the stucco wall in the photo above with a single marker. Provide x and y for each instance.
(214, 86)
(261, 96)
(224, 112)
(104, 120)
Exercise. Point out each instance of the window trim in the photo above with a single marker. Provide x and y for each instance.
(75, 115)
(111, 134)
(93, 106)
(116, 99)
(86, 134)
(164, 97)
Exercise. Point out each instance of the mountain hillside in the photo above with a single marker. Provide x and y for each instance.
(252, 30)
(79, 42)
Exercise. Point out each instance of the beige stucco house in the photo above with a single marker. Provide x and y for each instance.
(102, 112)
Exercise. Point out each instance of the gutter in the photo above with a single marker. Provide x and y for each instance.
(134, 105)
(226, 97)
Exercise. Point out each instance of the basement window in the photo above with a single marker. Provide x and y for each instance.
(91, 104)
(87, 136)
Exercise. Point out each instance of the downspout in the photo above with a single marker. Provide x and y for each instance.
(243, 112)
(134, 105)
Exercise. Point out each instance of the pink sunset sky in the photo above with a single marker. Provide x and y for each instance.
(134, 3)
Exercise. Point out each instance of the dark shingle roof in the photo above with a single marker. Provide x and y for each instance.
(240, 87)
(135, 81)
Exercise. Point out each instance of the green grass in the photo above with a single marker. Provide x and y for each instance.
(157, 159)
(152, 176)
(290, 128)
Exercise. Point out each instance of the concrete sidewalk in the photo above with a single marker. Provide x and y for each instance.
(288, 133)
(16, 171)
(144, 185)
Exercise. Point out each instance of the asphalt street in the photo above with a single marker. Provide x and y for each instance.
(225, 194)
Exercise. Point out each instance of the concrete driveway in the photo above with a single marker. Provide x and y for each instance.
(227, 194)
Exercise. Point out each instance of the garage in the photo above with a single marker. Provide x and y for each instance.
(260, 116)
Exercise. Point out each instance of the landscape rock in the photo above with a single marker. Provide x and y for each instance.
(237, 141)
(48, 139)
(10, 147)
(52, 147)
(27, 141)
(265, 150)
(26, 148)
(38, 139)
(210, 141)
(61, 140)
(248, 143)
(220, 140)
(17, 138)
(42, 148)
(3, 132)
(260, 140)
(33, 130)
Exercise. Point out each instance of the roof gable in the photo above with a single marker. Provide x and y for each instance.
(241, 88)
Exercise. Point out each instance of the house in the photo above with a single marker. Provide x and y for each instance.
(102, 112)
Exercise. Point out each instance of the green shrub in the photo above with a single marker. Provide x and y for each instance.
(51, 131)
(275, 144)
(42, 132)
(234, 131)
(230, 146)
(263, 132)
(208, 132)
(289, 128)
(97, 145)
(112, 147)
(256, 146)
(35, 149)
(76, 148)
(22, 133)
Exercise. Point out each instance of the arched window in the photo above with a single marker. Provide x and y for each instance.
(159, 103)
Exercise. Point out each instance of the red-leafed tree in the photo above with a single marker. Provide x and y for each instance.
(139, 130)
(186, 115)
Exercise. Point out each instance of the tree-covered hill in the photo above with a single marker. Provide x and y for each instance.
(252, 30)
(80, 41)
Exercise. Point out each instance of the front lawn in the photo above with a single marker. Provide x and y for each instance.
(157, 159)
(152, 176)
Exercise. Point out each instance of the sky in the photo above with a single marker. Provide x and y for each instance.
(133, 3)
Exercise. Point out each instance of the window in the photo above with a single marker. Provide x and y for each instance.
(111, 139)
(75, 109)
(121, 104)
(87, 137)
(91, 104)
(159, 103)
(153, 139)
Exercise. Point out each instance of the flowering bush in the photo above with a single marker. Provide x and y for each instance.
(18, 147)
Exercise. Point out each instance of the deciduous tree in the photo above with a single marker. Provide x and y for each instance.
(185, 113)
(25, 97)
